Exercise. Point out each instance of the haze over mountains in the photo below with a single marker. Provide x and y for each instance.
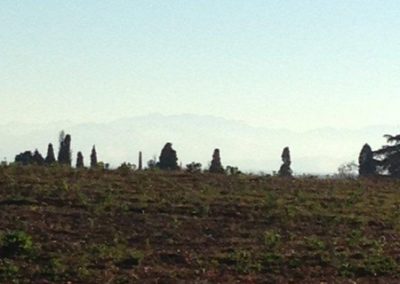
(194, 137)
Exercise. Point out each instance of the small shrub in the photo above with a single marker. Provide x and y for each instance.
(193, 167)
(126, 169)
(271, 201)
(272, 261)
(232, 171)
(314, 244)
(16, 243)
(243, 261)
(272, 239)
(8, 270)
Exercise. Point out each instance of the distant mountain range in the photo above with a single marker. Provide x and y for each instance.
(194, 137)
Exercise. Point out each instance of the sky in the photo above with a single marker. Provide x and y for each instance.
(298, 65)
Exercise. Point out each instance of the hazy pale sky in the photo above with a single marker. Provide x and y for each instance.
(288, 64)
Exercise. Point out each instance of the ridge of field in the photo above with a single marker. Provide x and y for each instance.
(121, 226)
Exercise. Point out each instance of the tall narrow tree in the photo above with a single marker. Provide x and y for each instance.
(79, 160)
(216, 166)
(64, 154)
(367, 164)
(285, 170)
(140, 162)
(93, 158)
(50, 158)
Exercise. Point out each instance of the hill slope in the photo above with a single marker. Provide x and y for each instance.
(123, 227)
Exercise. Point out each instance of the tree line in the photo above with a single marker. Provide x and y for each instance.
(64, 156)
(384, 161)
(168, 159)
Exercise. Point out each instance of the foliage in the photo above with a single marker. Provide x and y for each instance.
(38, 158)
(16, 243)
(93, 157)
(152, 164)
(347, 170)
(25, 158)
(64, 153)
(8, 271)
(389, 156)
(285, 170)
(50, 158)
(168, 159)
(126, 168)
(232, 171)
(367, 164)
(193, 167)
(216, 166)
(79, 161)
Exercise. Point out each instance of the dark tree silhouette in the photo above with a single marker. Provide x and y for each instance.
(37, 158)
(79, 160)
(285, 170)
(216, 166)
(367, 164)
(64, 154)
(389, 156)
(168, 158)
(140, 162)
(93, 158)
(25, 158)
(50, 158)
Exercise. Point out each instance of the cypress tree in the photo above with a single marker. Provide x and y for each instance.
(79, 160)
(140, 162)
(64, 154)
(50, 158)
(93, 158)
(285, 170)
(216, 166)
(168, 158)
(367, 164)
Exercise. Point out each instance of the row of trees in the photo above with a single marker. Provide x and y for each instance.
(64, 156)
(384, 161)
(168, 159)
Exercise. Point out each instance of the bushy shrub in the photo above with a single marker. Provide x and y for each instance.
(232, 171)
(16, 243)
(126, 168)
(193, 167)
